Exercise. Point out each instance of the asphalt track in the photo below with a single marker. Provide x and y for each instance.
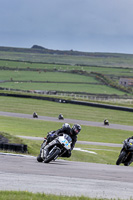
(24, 173)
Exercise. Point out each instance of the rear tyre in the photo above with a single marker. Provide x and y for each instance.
(53, 155)
(121, 158)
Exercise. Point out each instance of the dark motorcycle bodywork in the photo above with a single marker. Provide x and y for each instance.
(126, 154)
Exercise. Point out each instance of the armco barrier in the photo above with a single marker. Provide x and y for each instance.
(70, 101)
(13, 147)
(101, 105)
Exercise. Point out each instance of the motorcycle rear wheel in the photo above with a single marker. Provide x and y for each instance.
(121, 157)
(52, 156)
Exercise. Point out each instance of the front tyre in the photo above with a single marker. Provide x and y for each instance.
(51, 156)
(39, 159)
(121, 158)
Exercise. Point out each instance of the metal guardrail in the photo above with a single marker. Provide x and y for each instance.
(102, 105)
(70, 101)
(13, 147)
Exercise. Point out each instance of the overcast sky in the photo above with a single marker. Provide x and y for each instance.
(83, 25)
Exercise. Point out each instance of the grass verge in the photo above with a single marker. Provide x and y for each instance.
(14, 195)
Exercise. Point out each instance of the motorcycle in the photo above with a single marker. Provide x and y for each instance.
(35, 115)
(126, 153)
(106, 122)
(52, 150)
(60, 117)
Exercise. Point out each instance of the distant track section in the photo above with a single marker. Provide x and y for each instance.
(72, 121)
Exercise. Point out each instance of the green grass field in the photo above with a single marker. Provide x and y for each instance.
(63, 87)
(41, 74)
(45, 76)
(115, 69)
(98, 59)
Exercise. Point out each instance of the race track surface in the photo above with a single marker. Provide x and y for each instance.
(65, 177)
(24, 173)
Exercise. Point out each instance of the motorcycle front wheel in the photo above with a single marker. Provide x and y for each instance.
(121, 158)
(39, 159)
(51, 156)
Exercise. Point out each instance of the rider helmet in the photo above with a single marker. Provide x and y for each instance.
(76, 129)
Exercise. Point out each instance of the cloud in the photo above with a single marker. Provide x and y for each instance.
(86, 25)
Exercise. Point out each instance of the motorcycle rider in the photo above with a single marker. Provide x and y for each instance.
(131, 160)
(72, 132)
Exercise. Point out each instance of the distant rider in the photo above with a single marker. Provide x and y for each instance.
(60, 116)
(106, 122)
(72, 132)
(35, 115)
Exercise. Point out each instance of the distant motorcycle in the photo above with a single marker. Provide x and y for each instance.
(106, 122)
(60, 117)
(52, 150)
(126, 153)
(35, 115)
